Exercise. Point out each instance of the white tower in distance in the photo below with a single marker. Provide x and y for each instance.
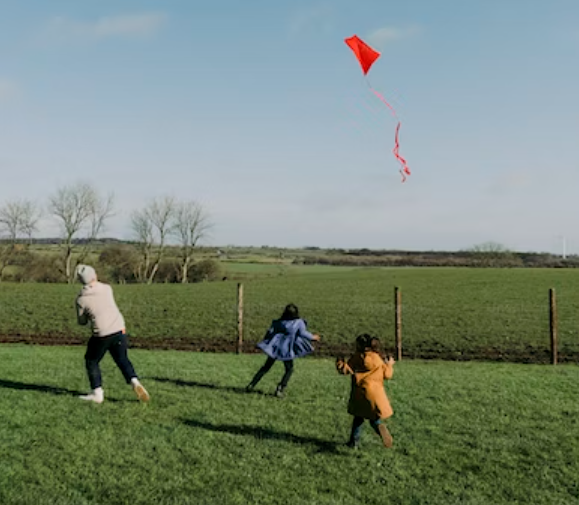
(564, 247)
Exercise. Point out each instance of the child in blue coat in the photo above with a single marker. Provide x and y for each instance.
(286, 339)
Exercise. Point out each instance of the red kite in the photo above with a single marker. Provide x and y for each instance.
(367, 56)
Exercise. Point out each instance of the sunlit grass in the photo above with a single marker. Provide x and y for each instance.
(463, 433)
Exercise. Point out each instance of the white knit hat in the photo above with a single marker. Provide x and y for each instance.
(86, 274)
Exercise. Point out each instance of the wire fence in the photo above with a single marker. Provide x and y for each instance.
(489, 321)
(534, 329)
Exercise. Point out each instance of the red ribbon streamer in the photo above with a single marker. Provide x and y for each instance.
(404, 171)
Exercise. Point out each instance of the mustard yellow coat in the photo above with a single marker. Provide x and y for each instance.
(368, 398)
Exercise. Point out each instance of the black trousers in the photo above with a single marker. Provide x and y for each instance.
(97, 347)
(289, 370)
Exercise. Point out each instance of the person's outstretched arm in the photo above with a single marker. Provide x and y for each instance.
(388, 368)
(81, 313)
(303, 332)
(343, 367)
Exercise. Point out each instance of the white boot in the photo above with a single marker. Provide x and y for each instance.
(139, 390)
(97, 396)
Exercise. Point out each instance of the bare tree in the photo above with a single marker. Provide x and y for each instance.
(143, 229)
(491, 253)
(490, 248)
(10, 221)
(17, 218)
(80, 210)
(191, 225)
(152, 226)
(30, 215)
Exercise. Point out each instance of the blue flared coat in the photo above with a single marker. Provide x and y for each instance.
(287, 339)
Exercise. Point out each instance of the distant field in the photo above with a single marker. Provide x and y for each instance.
(451, 312)
(264, 269)
(464, 433)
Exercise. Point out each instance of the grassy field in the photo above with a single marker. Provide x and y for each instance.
(464, 433)
(450, 311)
(261, 270)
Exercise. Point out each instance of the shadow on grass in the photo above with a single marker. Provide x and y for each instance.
(194, 384)
(24, 386)
(266, 434)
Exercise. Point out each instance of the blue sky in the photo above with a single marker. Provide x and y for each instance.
(260, 111)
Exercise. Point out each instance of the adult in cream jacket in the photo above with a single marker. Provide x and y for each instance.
(96, 305)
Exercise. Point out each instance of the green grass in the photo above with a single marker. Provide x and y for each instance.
(276, 269)
(464, 433)
(444, 309)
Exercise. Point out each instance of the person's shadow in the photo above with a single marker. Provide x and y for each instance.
(24, 386)
(265, 434)
(195, 384)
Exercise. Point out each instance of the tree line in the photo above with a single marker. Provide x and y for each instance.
(82, 214)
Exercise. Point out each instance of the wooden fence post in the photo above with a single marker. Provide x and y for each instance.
(398, 322)
(239, 318)
(553, 324)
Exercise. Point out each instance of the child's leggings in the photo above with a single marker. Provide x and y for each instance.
(289, 369)
(357, 428)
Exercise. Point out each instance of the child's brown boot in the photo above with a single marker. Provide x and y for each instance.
(385, 435)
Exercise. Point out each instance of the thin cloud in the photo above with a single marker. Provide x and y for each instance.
(317, 18)
(387, 34)
(508, 182)
(127, 25)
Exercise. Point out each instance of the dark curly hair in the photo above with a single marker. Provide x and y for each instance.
(366, 342)
(290, 312)
(363, 342)
(374, 344)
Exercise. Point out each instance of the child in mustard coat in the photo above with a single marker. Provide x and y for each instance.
(368, 398)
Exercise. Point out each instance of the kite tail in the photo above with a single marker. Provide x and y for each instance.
(404, 170)
(382, 99)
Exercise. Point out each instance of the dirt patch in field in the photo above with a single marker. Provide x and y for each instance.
(528, 354)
